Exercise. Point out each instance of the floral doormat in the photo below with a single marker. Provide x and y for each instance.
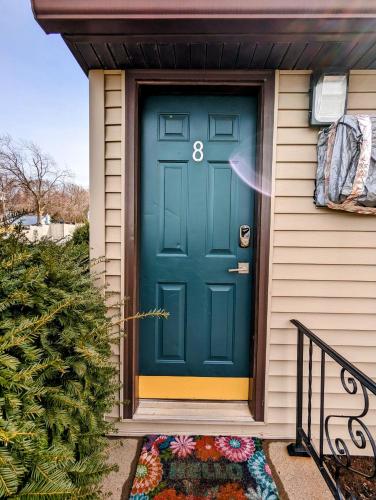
(203, 467)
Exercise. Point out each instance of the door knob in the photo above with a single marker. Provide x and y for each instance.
(243, 268)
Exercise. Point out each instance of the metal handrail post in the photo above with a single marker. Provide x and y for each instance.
(297, 449)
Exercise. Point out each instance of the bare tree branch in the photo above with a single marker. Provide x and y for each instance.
(34, 172)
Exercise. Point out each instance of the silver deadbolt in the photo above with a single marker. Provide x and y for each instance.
(243, 268)
(244, 236)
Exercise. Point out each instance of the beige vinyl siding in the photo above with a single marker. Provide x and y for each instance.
(113, 181)
(323, 262)
(107, 123)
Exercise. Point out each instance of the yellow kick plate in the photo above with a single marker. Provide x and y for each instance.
(216, 388)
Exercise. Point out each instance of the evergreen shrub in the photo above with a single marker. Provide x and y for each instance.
(56, 378)
(81, 234)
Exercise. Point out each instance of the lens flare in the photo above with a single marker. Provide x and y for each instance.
(243, 164)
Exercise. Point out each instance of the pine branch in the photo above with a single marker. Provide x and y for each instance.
(155, 313)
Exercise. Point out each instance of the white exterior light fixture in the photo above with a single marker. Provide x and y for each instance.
(328, 97)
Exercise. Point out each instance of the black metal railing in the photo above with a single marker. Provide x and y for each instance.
(332, 455)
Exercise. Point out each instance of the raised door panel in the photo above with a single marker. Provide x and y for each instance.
(173, 208)
(221, 210)
(171, 334)
(221, 319)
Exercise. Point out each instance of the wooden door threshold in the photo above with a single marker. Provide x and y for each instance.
(205, 412)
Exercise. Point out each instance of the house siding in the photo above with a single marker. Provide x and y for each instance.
(322, 262)
(106, 181)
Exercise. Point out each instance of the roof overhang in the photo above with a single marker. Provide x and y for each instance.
(263, 34)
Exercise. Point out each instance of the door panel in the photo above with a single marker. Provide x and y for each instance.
(221, 203)
(173, 190)
(191, 212)
(221, 314)
(171, 336)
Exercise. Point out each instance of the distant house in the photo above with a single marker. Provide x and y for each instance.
(46, 229)
(31, 220)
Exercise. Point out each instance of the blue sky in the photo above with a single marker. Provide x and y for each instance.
(43, 92)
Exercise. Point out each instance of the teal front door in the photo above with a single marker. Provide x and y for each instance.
(197, 157)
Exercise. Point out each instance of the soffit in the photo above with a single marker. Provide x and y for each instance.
(203, 34)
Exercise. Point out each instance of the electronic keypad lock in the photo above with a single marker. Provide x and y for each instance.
(244, 236)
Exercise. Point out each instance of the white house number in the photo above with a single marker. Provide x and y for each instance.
(198, 151)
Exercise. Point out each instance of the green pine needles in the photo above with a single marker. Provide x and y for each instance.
(56, 378)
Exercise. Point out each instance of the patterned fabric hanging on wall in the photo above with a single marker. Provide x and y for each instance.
(346, 165)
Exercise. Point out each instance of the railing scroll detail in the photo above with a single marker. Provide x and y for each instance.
(354, 382)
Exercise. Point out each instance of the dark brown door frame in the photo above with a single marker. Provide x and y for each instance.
(135, 82)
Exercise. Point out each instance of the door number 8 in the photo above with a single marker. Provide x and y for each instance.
(198, 151)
